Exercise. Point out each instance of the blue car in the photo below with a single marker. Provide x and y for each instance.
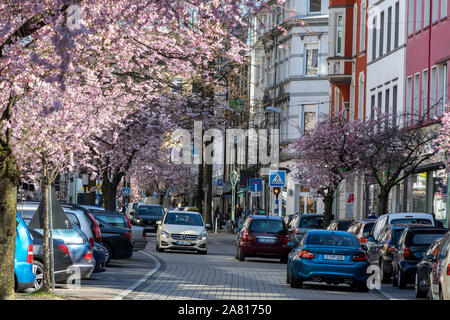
(23, 258)
(99, 257)
(333, 257)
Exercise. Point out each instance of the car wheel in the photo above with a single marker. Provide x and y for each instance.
(394, 278)
(401, 281)
(241, 255)
(108, 254)
(38, 270)
(441, 294)
(419, 293)
(295, 283)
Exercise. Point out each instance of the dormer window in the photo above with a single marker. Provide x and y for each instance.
(315, 6)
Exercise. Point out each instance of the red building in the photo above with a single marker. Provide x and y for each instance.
(347, 62)
(427, 56)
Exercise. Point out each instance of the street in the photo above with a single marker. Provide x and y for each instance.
(150, 275)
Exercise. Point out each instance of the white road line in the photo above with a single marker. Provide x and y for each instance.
(124, 293)
(386, 295)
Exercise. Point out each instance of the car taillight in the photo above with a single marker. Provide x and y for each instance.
(448, 269)
(360, 257)
(144, 234)
(287, 238)
(30, 254)
(91, 241)
(128, 235)
(88, 255)
(406, 252)
(306, 254)
(362, 240)
(245, 235)
(97, 233)
(64, 249)
(296, 231)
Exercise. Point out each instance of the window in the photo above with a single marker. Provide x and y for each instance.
(309, 122)
(315, 6)
(418, 15)
(380, 101)
(408, 97)
(426, 13)
(336, 100)
(339, 34)
(372, 107)
(312, 59)
(419, 192)
(374, 39)
(416, 94)
(361, 92)
(389, 30)
(381, 34)
(397, 23)
(362, 31)
(443, 83)
(386, 101)
(443, 8)
(355, 17)
(411, 17)
(435, 12)
(424, 94)
(433, 88)
(394, 103)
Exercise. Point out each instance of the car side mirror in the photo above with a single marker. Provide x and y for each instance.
(158, 222)
(207, 225)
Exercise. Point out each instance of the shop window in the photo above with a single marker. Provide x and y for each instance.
(419, 192)
(440, 194)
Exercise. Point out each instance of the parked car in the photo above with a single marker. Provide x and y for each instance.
(340, 225)
(131, 208)
(182, 230)
(382, 252)
(288, 218)
(116, 236)
(99, 257)
(263, 236)
(333, 257)
(192, 209)
(179, 209)
(95, 229)
(147, 215)
(23, 257)
(361, 229)
(91, 208)
(422, 279)
(79, 218)
(139, 237)
(412, 245)
(440, 272)
(301, 223)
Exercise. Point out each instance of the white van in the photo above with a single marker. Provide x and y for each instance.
(401, 218)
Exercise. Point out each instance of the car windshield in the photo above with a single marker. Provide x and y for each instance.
(183, 218)
(150, 211)
(424, 239)
(343, 226)
(266, 226)
(332, 239)
(114, 220)
(411, 221)
(311, 222)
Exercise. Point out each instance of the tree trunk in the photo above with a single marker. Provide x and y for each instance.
(109, 189)
(383, 199)
(8, 203)
(46, 242)
(328, 210)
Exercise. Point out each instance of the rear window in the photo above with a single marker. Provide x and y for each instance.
(311, 222)
(411, 221)
(368, 228)
(396, 235)
(69, 236)
(267, 226)
(117, 221)
(150, 211)
(423, 239)
(332, 239)
(73, 218)
(343, 226)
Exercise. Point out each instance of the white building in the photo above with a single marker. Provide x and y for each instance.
(289, 89)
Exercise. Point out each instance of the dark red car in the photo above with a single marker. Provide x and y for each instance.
(263, 236)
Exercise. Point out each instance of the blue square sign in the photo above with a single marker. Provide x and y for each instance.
(277, 178)
(255, 185)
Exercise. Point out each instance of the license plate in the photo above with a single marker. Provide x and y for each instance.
(185, 243)
(266, 240)
(334, 257)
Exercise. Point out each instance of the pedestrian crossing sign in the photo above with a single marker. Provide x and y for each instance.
(277, 178)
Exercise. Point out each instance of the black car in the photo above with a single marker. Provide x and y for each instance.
(116, 236)
(382, 251)
(147, 215)
(422, 279)
(412, 245)
(340, 225)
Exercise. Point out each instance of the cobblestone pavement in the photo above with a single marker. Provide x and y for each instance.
(219, 275)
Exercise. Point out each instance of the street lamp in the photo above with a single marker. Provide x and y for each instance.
(234, 176)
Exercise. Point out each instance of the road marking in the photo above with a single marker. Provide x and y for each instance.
(126, 292)
(386, 295)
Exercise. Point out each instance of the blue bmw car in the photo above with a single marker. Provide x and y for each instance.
(333, 257)
(23, 258)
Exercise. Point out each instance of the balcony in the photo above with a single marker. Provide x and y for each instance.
(340, 70)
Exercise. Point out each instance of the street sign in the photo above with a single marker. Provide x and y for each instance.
(256, 185)
(277, 178)
(256, 194)
(126, 192)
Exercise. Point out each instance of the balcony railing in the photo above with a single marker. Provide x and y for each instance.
(339, 70)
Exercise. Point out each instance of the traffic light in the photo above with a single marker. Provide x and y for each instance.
(276, 191)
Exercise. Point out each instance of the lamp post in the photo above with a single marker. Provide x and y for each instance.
(234, 176)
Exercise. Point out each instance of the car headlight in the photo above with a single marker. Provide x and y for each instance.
(202, 236)
(165, 234)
